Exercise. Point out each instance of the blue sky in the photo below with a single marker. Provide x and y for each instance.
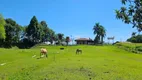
(71, 17)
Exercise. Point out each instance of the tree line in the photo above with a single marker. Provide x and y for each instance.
(13, 34)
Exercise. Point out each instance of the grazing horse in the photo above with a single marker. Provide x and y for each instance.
(78, 51)
(43, 51)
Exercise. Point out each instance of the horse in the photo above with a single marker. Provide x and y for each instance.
(43, 51)
(78, 51)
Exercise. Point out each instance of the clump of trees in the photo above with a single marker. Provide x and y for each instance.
(2, 30)
(130, 13)
(9, 32)
(13, 34)
(135, 39)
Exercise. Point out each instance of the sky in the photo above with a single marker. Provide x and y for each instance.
(70, 17)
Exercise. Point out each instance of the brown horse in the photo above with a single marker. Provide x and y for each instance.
(78, 51)
(43, 51)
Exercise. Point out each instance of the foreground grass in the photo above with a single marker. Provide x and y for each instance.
(96, 63)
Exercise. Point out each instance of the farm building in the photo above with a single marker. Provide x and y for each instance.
(87, 41)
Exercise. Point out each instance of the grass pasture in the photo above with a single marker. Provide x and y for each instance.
(131, 47)
(96, 63)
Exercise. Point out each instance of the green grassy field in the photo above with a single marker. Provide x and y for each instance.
(96, 63)
(131, 47)
(130, 44)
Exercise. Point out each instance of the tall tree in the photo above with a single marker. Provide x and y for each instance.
(96, 32)
(48, 34)
(23, 32)
(67, 40)
(60, 37)
(55, 37)
(33, 30)
(45, 31)
(2, 30)
(131, 13)
(51, 36)
(134, 34)
(100, 33)
(12, 30)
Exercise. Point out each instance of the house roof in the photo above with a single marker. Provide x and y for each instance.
(83, 39)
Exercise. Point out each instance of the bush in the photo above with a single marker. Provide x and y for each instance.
(139, 48)
(116, 42)
(135, 39)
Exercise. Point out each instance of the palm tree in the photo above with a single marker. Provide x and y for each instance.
(96, 32)
(67, 40)
(100, 33)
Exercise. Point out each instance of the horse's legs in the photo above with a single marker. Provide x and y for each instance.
(40, 54)
(77, 52)
(81, 51)
(46, 55)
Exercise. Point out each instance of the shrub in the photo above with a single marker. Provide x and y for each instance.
(135, 39)
(139, 48)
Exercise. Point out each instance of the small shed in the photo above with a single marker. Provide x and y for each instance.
(87, 41)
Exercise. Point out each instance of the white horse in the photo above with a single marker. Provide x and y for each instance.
(43, 51)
